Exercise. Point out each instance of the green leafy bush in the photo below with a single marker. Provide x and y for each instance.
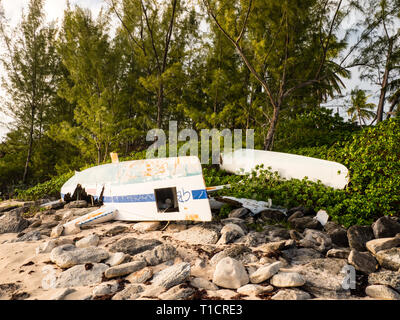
(49, 188)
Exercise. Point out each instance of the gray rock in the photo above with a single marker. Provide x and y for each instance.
(272, 215)
(89, 241)
(133, 246)
(13, 222)
(337, 233)
(291, 294)
(240, 222)
(358, 236)
(389, 259)
(385, 227)
(265, 272)
(301, 255)
(254, 289)
(198, 235)
(382, 244)
(305, 223)
(235, 251)
(140, 276)
(279, 234)
(76, 204)
(66, 256)
(239, 213)
(57, 231)
(116, 231)
(202, 283)
(178, 293)
(338, 253)
(105, 288)
(81, 275)
(30, 236)
(124, 269)
(386, 277)
(324, 278)
(158, 255)
(230, 273)
(287, 280)
(131, 292)
(172, 276)
(229, 233)
(363, 261)
(382, 292)
(116, 259)
(318, 240)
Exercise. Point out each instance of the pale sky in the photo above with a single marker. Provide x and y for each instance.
(55, 8)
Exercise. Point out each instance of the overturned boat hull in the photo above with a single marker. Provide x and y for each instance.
(164, 189)
(289, 166)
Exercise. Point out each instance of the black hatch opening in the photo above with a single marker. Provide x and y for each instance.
(166, 200)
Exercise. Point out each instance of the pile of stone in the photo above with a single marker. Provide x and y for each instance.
(293, 256)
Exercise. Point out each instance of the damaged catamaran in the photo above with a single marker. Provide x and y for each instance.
(171, 189)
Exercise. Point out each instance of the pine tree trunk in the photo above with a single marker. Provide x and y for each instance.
(269, 140)
(30, 145)
(160, 101)
(381, 105)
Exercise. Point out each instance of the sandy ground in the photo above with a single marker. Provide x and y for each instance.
(21, 269)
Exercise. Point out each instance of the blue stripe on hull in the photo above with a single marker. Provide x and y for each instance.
(149, 197)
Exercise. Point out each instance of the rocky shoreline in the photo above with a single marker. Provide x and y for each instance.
(269, 257)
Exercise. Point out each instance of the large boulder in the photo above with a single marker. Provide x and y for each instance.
(265, 272)
(230, 232)
(172, 276)
(157, 255)
(324, 278)
(382, 244)
(13, 222)
(358, 236)
(389, 259)
(318, 240)
(287, 280)
(89, 241)
(132, 246)
(81, 275)
(68, 255)
(386, 277)
(386, 227)
(337, 233)
(124, 269)
(363, 261)
(199, 235)
(272, 215)
(306, 223)
(230, 273)
(382, 292)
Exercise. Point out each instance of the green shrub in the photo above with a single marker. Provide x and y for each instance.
(49, 188)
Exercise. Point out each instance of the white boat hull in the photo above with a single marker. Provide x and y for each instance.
(289, 166)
